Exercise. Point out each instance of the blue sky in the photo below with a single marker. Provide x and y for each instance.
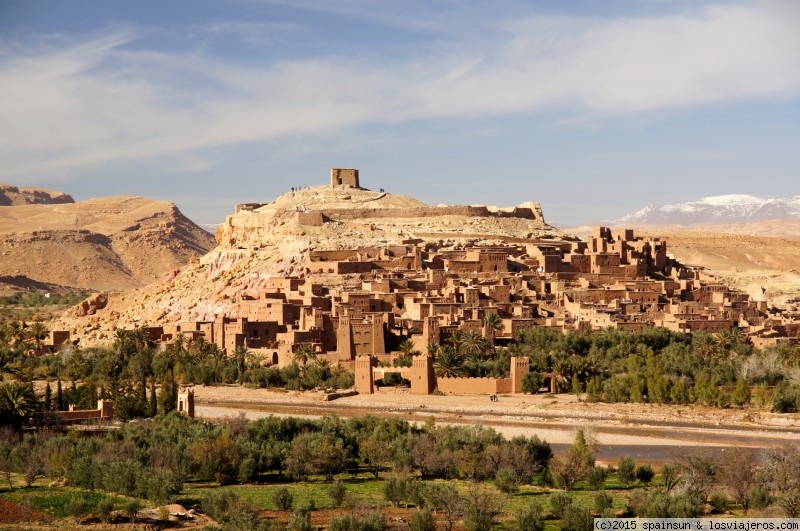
(594, 108)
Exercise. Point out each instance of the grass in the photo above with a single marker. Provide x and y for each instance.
(55, 501)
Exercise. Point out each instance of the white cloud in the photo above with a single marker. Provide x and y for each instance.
(83, 105)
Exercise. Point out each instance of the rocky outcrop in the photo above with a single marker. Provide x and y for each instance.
(90, 306)
(104, 244)
(14, 196)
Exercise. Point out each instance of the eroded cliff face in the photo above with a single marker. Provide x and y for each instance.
(15, 196)
(113, 243)
(266, 240)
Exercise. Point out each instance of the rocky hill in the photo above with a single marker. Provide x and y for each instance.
(261, 241)
(13, 196)
(104, 244)
(733, 208)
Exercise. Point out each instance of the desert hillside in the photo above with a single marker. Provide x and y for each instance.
(103, 244)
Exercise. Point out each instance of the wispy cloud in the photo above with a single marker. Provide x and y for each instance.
(84, 104)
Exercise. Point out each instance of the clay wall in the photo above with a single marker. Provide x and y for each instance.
(285, 284)
(350, 268)
(710, 326)
(104, 411)
(310, 219)
(59, 337)
(473, 386)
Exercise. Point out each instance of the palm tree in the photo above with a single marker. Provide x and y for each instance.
(473, 345)
(38, 332)
(7, 364)
(455, 339)
(5, 335)
(16, 332)
(406, 347)
(491, 325)
(240, 357)
(704, 345)
(448, 363)
(17, 401)
(303, 355)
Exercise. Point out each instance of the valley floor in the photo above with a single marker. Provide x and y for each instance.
(648, 433)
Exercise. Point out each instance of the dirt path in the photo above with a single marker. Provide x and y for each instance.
(646, 432)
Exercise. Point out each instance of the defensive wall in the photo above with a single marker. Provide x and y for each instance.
(318, 217)
(424, 380)
(104, 411)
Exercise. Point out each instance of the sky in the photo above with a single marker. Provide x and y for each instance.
(595, 108)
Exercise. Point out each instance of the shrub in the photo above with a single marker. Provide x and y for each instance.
(104, 509)
(216, 502)
(346, 522)
(718, 502)
(282, 499)
(559, 501)
(394, 490)
(577, 518)
(301, 521)
(645, 474)
(79, 505)
(337, 493)
(530, 518)
(373, 521)
(596, 477)
(759, 497)
(132, 509)
(532, 382)
(603, 501)
(422, 520)
(686, 506)
(626, 470)
(506, 480)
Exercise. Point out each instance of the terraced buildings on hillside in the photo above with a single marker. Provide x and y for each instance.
(425, 285)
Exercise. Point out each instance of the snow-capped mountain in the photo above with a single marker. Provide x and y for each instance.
(717, 209)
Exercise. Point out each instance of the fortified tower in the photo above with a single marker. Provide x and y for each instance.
(344, 178)
(520, 366)
(186, 401)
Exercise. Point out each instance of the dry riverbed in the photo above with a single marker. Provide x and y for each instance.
(646, 432)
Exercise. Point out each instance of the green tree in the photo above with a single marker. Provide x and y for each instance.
(492, 324)
(37, 332)
(447, 363)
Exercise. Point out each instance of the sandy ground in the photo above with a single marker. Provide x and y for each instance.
(645, 431)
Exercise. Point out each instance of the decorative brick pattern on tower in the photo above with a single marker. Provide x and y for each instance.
(519, 368)
(423, 379)
(364, 384)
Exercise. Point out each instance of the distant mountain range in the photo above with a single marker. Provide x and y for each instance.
(718, 209)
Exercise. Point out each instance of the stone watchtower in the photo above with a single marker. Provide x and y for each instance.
(186, 401)
(344, 178)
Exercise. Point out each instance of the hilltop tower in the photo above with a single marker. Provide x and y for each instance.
(344, 178)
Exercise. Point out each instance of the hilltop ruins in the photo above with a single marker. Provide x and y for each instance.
(368, 270)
